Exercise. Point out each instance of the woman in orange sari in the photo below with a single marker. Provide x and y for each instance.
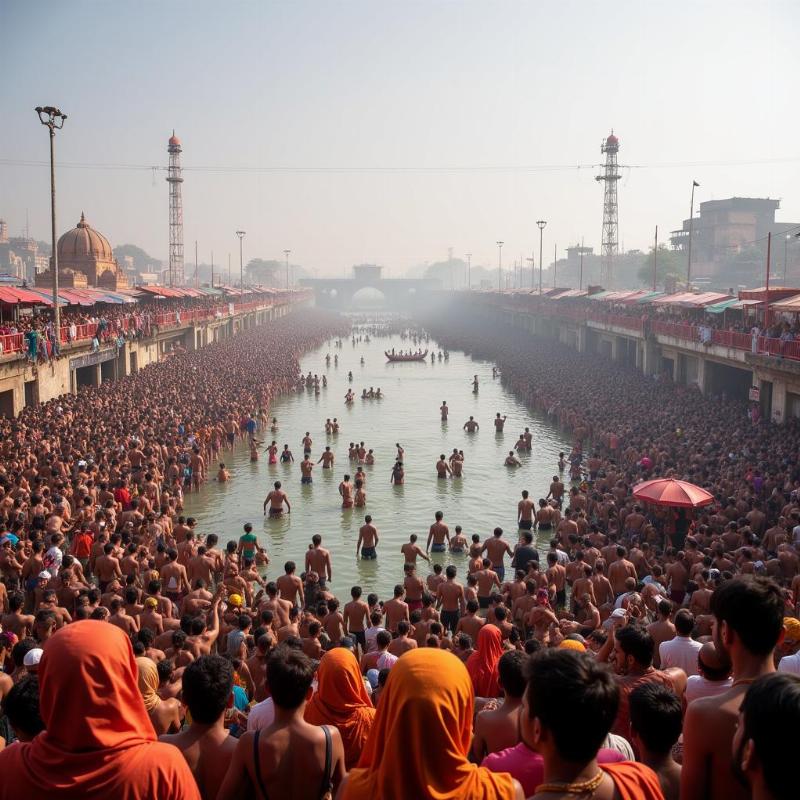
(99, 742)
(483, 664)
(419, 743)
(342, 700)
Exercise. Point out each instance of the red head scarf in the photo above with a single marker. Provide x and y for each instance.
(422, 733)
(342, 700)
(482, 664)
(99, 741)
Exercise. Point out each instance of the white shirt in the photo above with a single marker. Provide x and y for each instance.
(261, 716)
(53, 558)
(790, 664)
(697, 686)
(680, 652)
(387, 661)
(371, 637)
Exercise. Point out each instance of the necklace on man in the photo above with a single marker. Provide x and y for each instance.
(578, 787)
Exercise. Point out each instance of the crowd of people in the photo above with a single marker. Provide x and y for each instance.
(644, 654)
(736, 320)
(110, 323)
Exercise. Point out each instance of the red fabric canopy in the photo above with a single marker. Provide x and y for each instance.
(671, 492)
(15, 295)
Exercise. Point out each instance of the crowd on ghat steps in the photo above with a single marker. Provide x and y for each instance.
(656, 655)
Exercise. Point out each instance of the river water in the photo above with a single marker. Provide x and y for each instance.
(484, 497)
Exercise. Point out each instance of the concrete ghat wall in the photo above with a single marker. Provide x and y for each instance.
(688, 363)
(23, 383)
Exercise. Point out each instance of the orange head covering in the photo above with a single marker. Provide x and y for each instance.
(342, 700)
(99, 741)
(148, 682)
(422, 733)
(482, 664)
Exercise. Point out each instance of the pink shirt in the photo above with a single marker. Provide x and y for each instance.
(528, 767)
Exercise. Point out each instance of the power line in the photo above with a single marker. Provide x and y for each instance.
(406, 169)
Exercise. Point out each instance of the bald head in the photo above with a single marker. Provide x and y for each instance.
(712, 663)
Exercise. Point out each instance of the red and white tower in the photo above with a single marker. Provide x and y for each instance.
(175, 179)
(609, 245)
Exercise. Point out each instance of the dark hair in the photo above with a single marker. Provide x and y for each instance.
(165, 668)
(770, 708)
(634, 640)
(656, 716)
(289, 675)
(207, 687)
(21, 706)
(532, 646)
(512, 672)
(684, 622)
(21, 649)
(563, 686)
(753, 608)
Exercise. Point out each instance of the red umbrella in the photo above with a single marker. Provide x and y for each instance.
(671, 492)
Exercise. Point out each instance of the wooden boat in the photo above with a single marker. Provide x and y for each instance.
(413, 357)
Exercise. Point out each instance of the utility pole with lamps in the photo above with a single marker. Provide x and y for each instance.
(241, 234)
(53, 120)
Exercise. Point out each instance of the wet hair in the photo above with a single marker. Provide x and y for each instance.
(656, 716)
(165, 668)
(207, 687)
(753, 608)
(564, 685)
(769, 709)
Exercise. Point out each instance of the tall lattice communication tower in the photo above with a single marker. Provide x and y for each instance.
(609, 247)
(175, 179)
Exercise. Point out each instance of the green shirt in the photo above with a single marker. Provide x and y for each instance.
(248, 544)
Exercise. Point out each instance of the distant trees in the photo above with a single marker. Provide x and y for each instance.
(670, 264)
(142, 261)
(266, 272)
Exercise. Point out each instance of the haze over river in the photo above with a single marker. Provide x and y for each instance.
(484, 497)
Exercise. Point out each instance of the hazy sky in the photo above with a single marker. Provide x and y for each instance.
(446, 103)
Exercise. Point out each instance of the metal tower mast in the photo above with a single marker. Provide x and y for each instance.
(174, 179)
(609, 247)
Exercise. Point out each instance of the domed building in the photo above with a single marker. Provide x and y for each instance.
(85, 258)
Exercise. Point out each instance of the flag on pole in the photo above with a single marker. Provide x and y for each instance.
(695, 183)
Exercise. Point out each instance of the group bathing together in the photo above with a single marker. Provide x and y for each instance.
(580, 645)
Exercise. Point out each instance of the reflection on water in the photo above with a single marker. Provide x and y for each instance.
(484, 497)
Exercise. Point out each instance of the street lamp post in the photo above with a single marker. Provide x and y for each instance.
(500, 266)
(785, 246)
(53, 119)
(286, 253)
(241, 234)
(541, 223)
(695, 184)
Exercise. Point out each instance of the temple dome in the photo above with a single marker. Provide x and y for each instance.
(83, 241)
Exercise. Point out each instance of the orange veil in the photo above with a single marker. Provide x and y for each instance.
(419, 743)
(482, 665)
(99, 741)
(342, 700)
